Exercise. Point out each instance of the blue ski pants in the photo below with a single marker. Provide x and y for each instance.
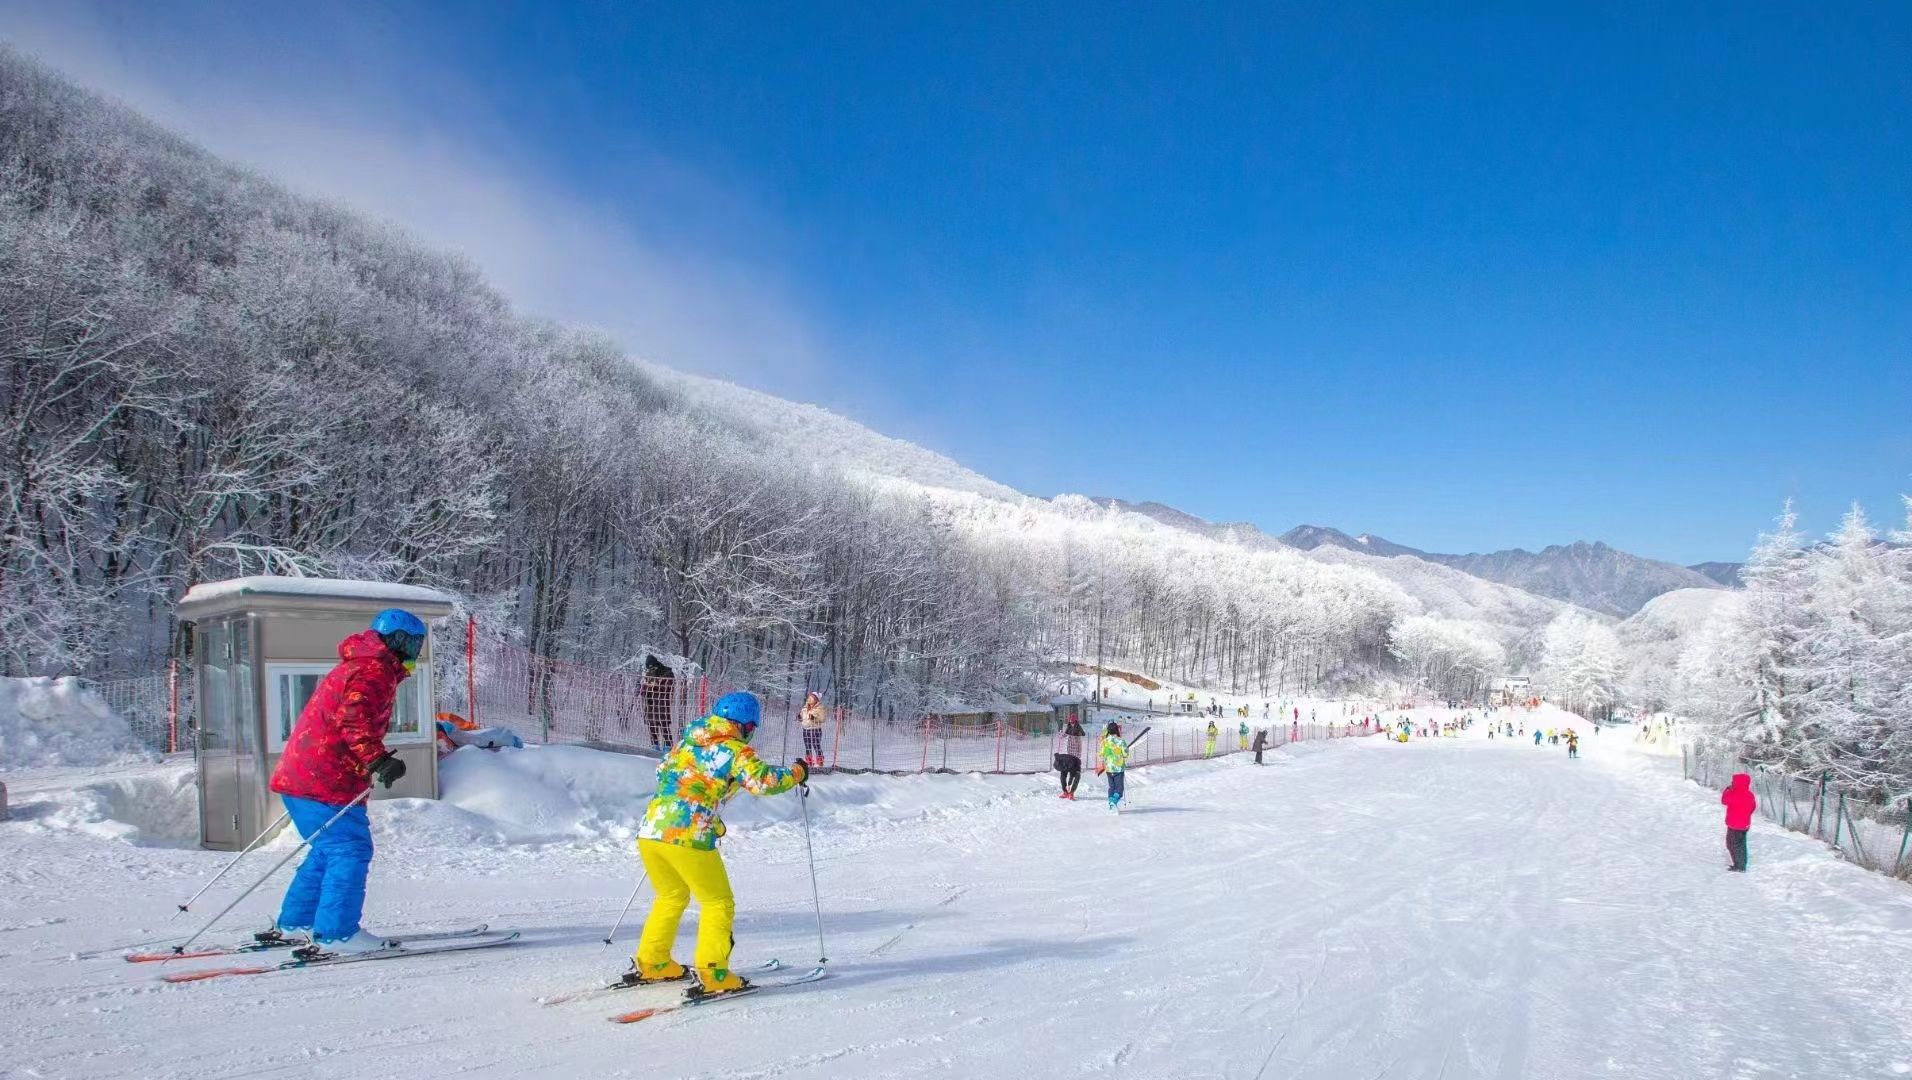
(328, 892)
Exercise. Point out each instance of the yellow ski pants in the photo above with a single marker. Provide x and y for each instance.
(679, 873)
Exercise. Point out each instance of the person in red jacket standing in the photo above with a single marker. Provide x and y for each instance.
(337, 747)
(1740, 802)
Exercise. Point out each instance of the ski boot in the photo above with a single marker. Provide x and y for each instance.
(716, 982)
(649, 974)
(358, 944)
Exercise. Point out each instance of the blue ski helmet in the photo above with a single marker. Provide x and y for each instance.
(741, 709)
(403, 632)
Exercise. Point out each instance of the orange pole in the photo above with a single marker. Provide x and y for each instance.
(471, 669)
(172, 706)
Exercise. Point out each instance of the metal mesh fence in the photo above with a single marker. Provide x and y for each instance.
(155, 706)
(552, 701)
(1010, 742)
(1876, 835)
(549, 701)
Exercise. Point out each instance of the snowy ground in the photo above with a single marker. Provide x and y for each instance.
(1446, 908)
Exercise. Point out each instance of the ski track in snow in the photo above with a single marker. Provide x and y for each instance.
(1359, 910)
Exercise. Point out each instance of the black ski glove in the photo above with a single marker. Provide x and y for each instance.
(387, 769)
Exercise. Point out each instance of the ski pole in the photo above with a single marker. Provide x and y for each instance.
(235, 862)
(823, 955)
(363, 795)
(627, 906)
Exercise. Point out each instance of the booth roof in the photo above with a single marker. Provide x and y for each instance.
(215, 592)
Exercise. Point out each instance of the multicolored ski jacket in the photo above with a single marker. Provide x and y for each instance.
(705, 768)
(1114, 753)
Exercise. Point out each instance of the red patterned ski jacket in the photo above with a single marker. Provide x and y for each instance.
(342, 729)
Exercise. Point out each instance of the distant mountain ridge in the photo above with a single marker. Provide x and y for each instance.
(1726, 573)
(1589, 575)
(1310, 537)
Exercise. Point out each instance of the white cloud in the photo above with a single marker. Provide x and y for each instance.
(360, 129)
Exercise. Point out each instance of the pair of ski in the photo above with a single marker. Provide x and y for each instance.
(759, 985)
(423, 944)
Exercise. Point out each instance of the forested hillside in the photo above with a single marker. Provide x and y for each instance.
(206, 375)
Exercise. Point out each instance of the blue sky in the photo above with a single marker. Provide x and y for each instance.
(1467, 281)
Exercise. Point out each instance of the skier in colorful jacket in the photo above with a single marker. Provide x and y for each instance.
(677, 842)
(1113, 755)
(336, 749)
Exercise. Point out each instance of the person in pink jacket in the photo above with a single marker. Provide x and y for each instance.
(1740, 802)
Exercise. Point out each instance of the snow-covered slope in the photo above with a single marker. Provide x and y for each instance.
(813, 433)
(802, 432)
(1653, 639)
(1445, 908)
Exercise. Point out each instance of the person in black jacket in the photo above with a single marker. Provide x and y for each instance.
(1260, 744)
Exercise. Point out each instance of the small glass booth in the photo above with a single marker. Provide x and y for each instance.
(260, 647)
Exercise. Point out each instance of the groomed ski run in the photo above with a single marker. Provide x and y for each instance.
(1431, 910)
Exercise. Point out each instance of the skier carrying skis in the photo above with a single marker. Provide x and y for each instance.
(336, 749)
(1114, 755)
(1740, 802)
(1209, 750)
(1069, 758)
(811, 718)
(677, 841)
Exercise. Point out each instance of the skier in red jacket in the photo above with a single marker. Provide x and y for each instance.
(1740, 802)
(337, 747)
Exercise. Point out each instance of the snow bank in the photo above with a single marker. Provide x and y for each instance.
(542, 795)
(536, 795)
(149, 805)
(48, 722)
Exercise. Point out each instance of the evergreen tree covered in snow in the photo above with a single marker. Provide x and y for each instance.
(1811, 669)
(1580, 663)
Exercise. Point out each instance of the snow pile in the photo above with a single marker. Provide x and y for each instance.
(537, 795)
(46, 722)
(545, 795)
(149, 805)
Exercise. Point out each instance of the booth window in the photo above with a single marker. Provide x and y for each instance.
(290, 686)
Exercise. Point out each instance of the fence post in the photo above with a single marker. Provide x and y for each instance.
(1898, 864)
(1820, 815)
(471, 669)
(1838, 823)
(172, 705)
(999, 734)
(836, 744)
